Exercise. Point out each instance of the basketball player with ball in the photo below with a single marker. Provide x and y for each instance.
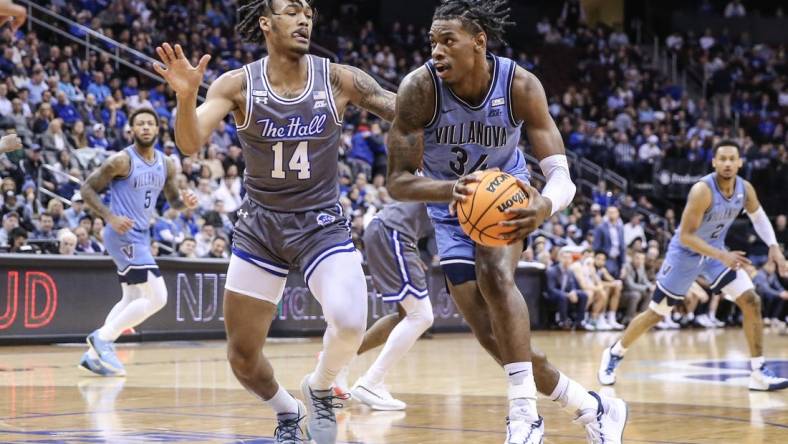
(457, 116)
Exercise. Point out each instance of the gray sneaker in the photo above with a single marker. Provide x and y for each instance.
(321, 422)
(288, 428)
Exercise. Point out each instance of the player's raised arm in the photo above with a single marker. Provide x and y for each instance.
(764, 229)
(415, 109)
(698, 201)
(193, 125)
(362, 90)
(529, 104)
(118, 165)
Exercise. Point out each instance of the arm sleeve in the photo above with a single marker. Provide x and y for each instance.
(763, 227)
(558, 187)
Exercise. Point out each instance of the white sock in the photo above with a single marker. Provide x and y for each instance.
(611, 316)
(618, 349)
(151, 297)
(402, 337)
(691, 316)
(573, 397)
(283, 402)
(757, 363)
(522, 391)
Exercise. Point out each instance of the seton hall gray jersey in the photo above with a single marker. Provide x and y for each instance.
(409, 218)
(291, 145)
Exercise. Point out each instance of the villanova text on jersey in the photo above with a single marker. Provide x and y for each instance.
(135, 195)
(463, 138)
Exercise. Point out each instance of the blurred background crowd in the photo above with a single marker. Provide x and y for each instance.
(619, 104)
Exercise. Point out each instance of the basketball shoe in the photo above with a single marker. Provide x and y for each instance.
(321, 422)
(288, 428)
(764, 379)
(376, 396)
(606, 425)
(607, 368)
(522, 431)
(106, 353)
(94, 366)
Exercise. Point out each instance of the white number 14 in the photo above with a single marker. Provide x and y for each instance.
(299, 162)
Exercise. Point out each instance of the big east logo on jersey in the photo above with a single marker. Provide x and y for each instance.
(495, 183)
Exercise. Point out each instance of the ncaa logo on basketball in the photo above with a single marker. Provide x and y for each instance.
(497, 182)
(324, 219)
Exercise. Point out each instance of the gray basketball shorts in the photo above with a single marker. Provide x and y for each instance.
(394, 263)
(277, 242)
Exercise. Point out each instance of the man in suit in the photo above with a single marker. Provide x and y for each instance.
(637, 287)
(609, 237)
(563, 291)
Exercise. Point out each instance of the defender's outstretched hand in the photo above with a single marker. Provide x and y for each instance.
(179, 73)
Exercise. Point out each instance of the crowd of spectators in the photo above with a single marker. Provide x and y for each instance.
(71, 111)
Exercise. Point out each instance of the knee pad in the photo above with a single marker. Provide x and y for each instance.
(736, 284)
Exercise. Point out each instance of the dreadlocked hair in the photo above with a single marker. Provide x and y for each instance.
(490, 16)
(249, 13)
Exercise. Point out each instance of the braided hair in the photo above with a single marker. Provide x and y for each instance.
(490, 16)
(249, 13)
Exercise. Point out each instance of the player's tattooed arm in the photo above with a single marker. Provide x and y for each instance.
(118, 165)
(529, 104)
(415, 110)
(171, 191)
(350, 84)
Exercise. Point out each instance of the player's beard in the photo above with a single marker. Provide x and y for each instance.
(143, 144)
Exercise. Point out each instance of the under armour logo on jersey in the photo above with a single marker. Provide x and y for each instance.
(243, 213)
(128, 251)
(324, 219)
(260, 96)
(498, 102)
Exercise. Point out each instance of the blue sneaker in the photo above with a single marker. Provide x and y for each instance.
(106, 353)
(94, 366)
(607, 368)
(764, 379)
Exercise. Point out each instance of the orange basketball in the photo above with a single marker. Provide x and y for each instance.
(480, 214)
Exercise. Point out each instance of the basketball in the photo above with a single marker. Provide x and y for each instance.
(480, 214)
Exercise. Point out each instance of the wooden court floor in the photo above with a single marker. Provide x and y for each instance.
(682, 387)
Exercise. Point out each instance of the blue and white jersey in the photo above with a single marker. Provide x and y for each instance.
(719, 217)
(462, 138)
(135, 195)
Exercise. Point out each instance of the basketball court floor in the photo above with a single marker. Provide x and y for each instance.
(682, 387)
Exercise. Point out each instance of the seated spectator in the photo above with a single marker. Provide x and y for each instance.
(85, 244)
(187, 222)
(586, 277)
(78, 137)
(67, 243)
(773, 294)
(204, 239)
(563, 291)
(86, 222)
(18, 241)
(637, 287)
(76, 212)
(166, 231)
(10, 222)
(97, 230)
(46, 228)
(634, 230)
(611, 286)
(186, 249)
(99, 139)
(54, 139)
(229, 190)
(218, 249)
(65, 111)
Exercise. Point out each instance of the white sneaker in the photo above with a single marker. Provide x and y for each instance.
(587, 326)
(765, 380)
(376, 397)
(717, 323)
(607, 368)
(615, 325)
(524, 432)
(602, 325)
(704, 321)
(671, 324)
(609, 424)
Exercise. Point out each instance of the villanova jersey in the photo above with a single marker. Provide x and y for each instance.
(291, 146)
(135, 195)
(720, 215)
(462, 138)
